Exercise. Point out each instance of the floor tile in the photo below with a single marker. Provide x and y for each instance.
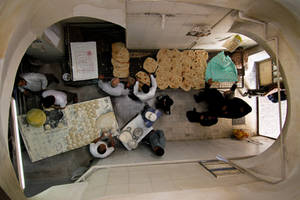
(139, 177)
(165, 186)
(140, 188)
(116, 189)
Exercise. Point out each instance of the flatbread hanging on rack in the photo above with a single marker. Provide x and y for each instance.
(122, 55)
(175, 81)
(150, 65)
(119, 65)
(162, 82)
(186, 85)
(115, 47)
(123, 73)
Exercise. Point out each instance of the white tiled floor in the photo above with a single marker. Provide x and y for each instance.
(156, 178)
(187, 150)
(114, 179)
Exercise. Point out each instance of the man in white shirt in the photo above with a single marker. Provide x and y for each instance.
(34, 82)
(54, 98)
(100, 149)
(113, 87)
(145, 95)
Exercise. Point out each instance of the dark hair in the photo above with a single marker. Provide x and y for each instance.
(159, 151)
(18, 79)
(48, 101)
(100, 149)
(145, 88)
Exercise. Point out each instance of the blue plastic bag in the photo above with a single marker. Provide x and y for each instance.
(221, 69)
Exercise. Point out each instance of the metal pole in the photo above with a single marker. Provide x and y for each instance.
(17, 143)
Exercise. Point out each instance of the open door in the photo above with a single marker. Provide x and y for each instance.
(268, 111)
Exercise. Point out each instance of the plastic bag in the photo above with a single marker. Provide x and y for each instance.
(221, 69)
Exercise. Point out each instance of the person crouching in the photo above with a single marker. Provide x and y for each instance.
(102, 149)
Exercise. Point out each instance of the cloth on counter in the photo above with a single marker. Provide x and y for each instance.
(35, 82)
(119, 90)
(60, 97)
(221, 69)
(145, 96)
(95, 153)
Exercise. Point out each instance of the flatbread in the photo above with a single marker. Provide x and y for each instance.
(150, 65)
(164, 61)
(189, 53)
(175, 81)
(201, 54)
(176, 69)
(106, 121)
(198, 83)
(174, 53)
(162, 53)
(186, 85)
(143, 77)
(121, 73)
(119, 65)
(115, 47)
(182, 69)
(121, 55)
(162, 82)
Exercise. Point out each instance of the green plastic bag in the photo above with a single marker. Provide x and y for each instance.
(221, 69)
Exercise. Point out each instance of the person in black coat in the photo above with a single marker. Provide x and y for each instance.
(224, 106)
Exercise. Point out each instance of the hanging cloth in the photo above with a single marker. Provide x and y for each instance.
(221, 69)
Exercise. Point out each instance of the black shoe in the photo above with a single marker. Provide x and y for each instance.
(197, 99)
(193, 116)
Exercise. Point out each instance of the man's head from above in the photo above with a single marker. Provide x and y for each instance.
(21, 82)
(101, 149)
(115, 82)
(48, 101)
(145, 88)
(159, 151)
(151, 116)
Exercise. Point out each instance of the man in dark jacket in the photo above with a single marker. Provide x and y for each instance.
(157, 141)
(225, 106)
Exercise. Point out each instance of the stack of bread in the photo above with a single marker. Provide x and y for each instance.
(120, 60)
(181, 69)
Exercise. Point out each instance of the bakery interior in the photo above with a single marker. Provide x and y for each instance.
(187, 143)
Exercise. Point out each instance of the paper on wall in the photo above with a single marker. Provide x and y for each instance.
(84, 60)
